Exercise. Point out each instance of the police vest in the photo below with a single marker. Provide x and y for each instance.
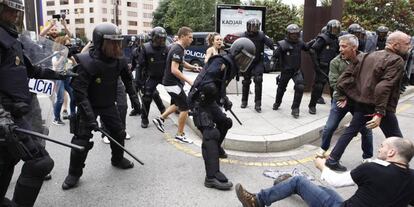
(330, 50)
(258, 41)
(155, 59)
(102, 88)
(290, 54)
(13, 72)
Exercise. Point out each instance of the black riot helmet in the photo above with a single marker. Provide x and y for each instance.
(355, 29)
(382, 32)
(142, 38)
(7, 7)
(293, 33)
(333, 27)
(105, 31)
(243, 52)
(253, 26)
(158, 36)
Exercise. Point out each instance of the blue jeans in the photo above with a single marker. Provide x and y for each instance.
(63, 85)
(313, 195)
(335, 116)
(389, 126)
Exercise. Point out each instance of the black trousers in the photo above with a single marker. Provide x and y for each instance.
(213, 124)
(34, 169)
(297, 77)
(151, 93)
(320, 81)
(111, 119)
(256, 71)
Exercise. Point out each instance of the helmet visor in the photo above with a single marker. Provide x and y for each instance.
(243, 60)
(13, 5)
(293, 37)
(335, 30)
(113, 37)
(158, 41)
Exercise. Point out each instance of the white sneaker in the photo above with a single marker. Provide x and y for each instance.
(182, 138)
(128, 136)
(105, 140)
(321, 153)
(159, 122)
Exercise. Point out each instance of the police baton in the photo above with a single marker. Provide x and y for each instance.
(234, 115)
(42, 136)
(119, 145)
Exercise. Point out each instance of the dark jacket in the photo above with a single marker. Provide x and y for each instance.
(374, 79)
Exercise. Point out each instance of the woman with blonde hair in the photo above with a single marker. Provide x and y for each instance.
(215, 43)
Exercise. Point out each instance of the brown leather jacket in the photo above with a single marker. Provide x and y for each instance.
(374, 79)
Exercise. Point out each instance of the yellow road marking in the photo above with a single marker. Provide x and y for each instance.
(283, 163)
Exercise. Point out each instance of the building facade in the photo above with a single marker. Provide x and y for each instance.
(134, 16)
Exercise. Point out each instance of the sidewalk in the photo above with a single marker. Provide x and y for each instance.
(270, 131)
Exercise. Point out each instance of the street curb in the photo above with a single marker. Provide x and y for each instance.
(278, 142)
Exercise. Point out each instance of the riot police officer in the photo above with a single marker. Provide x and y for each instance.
(325, 48)
(288, 52)
(15, 99)
(256, 68)
(207, 92)
(358, 31)
(151, 63)
(95, 91)
(382, 33)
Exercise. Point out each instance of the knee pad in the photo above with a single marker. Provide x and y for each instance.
(82, 142)
(228, 123)
(37, 168)
(299, 87)
(258, 79)
(211, 133)
(246, 81)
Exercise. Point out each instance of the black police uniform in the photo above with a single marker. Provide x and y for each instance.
(256, 69)
(208, 90)
(152, 62)
(325, 48)
(289, 56)
(95, 91)
(15, 98)
(380, 43)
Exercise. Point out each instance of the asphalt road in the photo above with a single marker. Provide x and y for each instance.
(173, 173)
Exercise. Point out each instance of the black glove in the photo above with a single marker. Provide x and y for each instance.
(227, 104)
(93, 125)
(68, 73)
(135, 102)
(6, 124)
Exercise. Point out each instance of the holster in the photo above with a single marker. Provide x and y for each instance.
(202, 119)
(73, 123)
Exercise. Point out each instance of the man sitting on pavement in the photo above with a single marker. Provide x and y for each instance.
(386, 181)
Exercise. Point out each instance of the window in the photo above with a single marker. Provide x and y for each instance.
(50, 13)
(78, 1)
(198, 41)
(132, 14)
(104, 1)
(90, 1)
(104, 10)
(119, 22)
(148, 15)
(132, 31)
(104, 19)
(91, 10)
(79, 21)
(50, 3)
(79, 11)
(64, 2)
(147, 24)
(64, 11)
(132, 4)
(132, 23)
(148, 6)
(91, 20)
(80, 32)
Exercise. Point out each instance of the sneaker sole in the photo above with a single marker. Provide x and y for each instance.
(210, 185)
(158, 126)
(184, 142)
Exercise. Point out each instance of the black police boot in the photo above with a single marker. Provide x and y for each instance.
(123, 164)
(276, 106)
(321, 100)
(335, 165)
(295, 113)
(48, 177)
(144, 123)
(222, 153)
(243, 104)
(70, 182)
(134, 112)
(219, 181)
(258, 107)
(312, 109)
